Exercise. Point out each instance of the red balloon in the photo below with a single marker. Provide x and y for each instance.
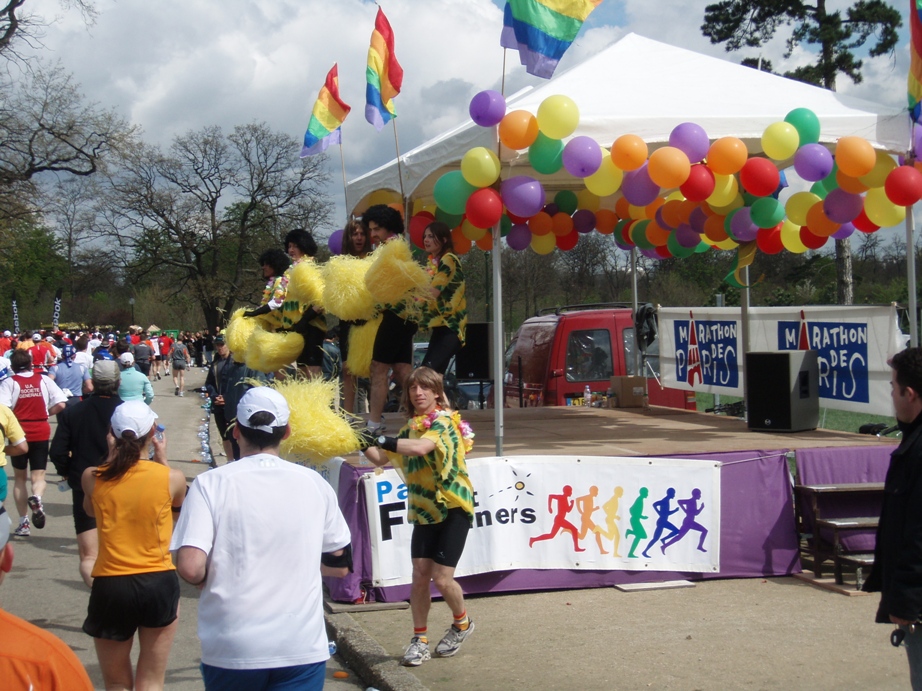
(864, 224)
(903, 186)
(567, 242)
(769, 240)
(663, 252)
(484, 208)
(700, 183)
(760, 177)
(418, 225)
(811, 241)
(516, 220)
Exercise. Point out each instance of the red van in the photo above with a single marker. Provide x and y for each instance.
(556, 354)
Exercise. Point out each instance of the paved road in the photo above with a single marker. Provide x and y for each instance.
(46, 589)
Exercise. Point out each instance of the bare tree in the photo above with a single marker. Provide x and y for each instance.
(18, 24)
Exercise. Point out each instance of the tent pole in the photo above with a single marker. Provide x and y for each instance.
(637, 370)
(911, 277)
(498, 362)
(744, 305)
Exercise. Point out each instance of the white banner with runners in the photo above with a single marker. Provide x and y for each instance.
(565, 512)
(701, 349)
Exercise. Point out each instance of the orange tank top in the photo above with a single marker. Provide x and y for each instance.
(134, 521)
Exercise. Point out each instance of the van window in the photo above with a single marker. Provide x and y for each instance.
(589, 356)
(630, 345)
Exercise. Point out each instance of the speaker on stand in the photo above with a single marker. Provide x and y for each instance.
(782, 391)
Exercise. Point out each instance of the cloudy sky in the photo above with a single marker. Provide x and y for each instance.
(172, 66)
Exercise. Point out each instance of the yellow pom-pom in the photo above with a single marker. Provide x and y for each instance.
(344, 291)
(318, 430)
(394, 276)
(305, 283)
(238, 332)
(361, 346)
(269, 351)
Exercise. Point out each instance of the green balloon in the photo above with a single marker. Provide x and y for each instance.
(451, 192)
(767, 212)
(676, 249)
(451, 220)
(546, 154)
(727, 221)
(818, 189)
(639, 235)
(702, 248)
(806, 123)
(566, 201)
(749, 199)
(505, 225)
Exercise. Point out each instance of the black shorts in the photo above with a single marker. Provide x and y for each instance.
(394, 340)
(179, 364)
(312, 355)
(443, 344)
(36, 458)
(442, 542)
(143, 366)
(121, 604)
(82, 520)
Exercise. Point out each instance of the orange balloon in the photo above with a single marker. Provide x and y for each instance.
(656, 234)
(850, 184)
(855, 157)
(561, 224)
(629, 152)
(486, 242)
(623, 208)
(540, 223)
(685, 210)
(727, 156)
(668, 167)
(672, 213)
(651, 208)
(605, 221)
(461, 244)
(398, 207)
(714, 229)
(819, 223)
(518, 129)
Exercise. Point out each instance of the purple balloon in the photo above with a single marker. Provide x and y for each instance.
(917, 138)
(686, 236)
(742, 227)
(813, 162)
(842, 206)
(649, 254)
(582, 156)
(522, 195)
(551, 209)
(335, 243)
(638, 188)
(844, 231)
(487, 108)
(583, 221)
(697, 219)
(690, 139)
(660, 221)
(518, 237)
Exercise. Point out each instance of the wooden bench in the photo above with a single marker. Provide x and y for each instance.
(839, 555)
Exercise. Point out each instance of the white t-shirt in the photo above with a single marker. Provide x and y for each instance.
(263, 522)
(84, 358)
(51, 392)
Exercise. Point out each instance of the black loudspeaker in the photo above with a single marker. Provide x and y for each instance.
(474, 359)
(782, 390)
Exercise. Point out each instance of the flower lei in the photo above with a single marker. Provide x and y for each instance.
(421, 423)
(432, 265)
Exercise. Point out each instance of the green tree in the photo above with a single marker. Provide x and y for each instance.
(836, 35)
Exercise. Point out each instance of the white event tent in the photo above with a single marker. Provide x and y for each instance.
(643, 87)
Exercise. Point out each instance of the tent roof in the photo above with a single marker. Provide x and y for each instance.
(644, 87)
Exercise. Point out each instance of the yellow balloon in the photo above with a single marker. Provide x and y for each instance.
(472, 232)
(880, 210)
(543, 244)
(725, 189)
(790, 238)
(728, 244)
(798, 205)
(558, 117)
(675, 194)
(480, 167)
(606, 180)
(638, 213)
(780, 140)
(882, 167)
(736, 203)
(588, 200)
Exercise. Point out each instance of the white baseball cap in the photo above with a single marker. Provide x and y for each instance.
(7, 333)
(135, 416)
(262, 399)
(127, 359)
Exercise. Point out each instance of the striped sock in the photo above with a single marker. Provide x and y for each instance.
(421, 634)
(461, 621)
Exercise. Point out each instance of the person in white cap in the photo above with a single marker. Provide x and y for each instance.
(134, 581)
(260, 616)
(135, 386)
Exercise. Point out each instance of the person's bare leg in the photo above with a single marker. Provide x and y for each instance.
(20, 497)
(38, 483)
(420, 596)
(401, 372)
(155, 652)
(378, 395)
(445, 583)
(115, 663)
(349, 393)
(88, 548)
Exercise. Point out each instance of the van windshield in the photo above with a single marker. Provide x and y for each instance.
(589, 356)
(630, 346)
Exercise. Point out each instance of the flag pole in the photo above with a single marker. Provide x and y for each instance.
(403, 196)
(342, 163)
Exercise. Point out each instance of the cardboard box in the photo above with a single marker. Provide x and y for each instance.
(629, 391)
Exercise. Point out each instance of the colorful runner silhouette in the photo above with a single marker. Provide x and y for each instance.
(564, 506)
(691, 509)
(662, 509)
(611, 531)
(637, 516)
(585, 505)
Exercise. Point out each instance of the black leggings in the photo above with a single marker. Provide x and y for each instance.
(443, 344)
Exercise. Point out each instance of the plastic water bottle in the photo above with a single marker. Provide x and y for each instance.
(63, 486)
(158, 435)
(587, 396)
(332, 648)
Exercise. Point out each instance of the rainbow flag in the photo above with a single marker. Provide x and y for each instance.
(542, 30)
(327, 117)
(383, 74)
(915, 59)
